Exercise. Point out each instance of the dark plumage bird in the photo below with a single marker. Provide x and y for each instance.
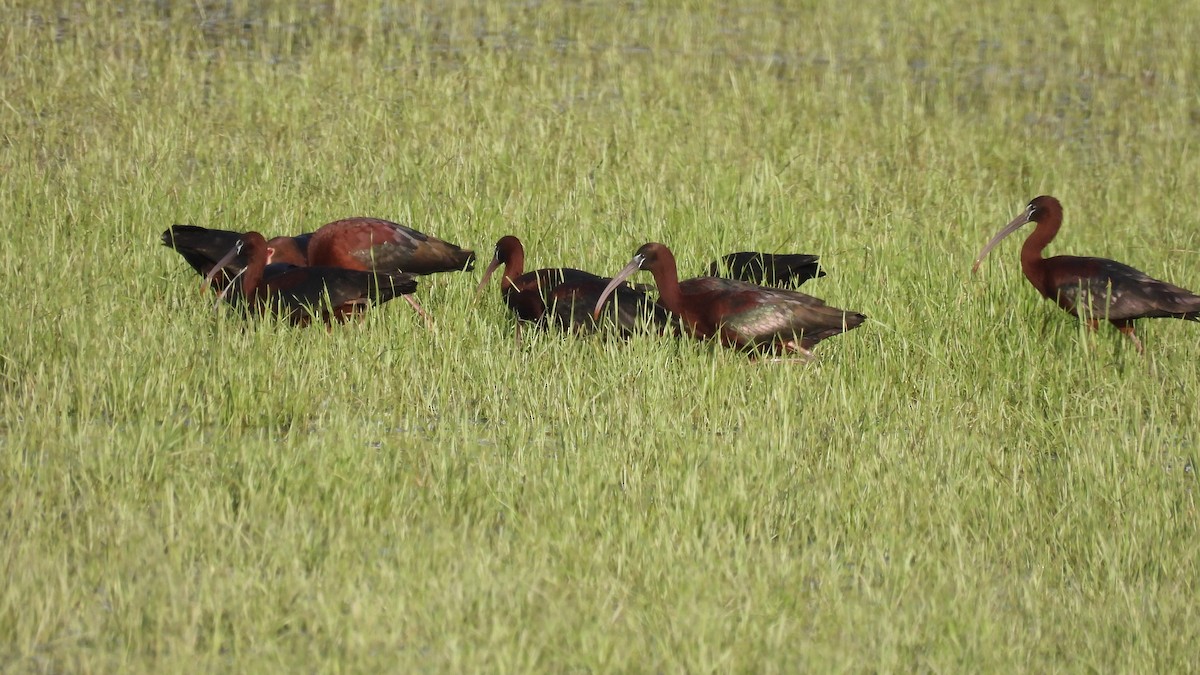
(364, 244)
(371, 244)
(299, 293)
(202, 247)
(740, 314)
(570, 294)
(353, 243)
(1091, 288)
(384, 246)
(782, 270)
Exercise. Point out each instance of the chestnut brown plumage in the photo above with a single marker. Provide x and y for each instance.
(299, 293)
(375, 245)
(1091, 288)
(384, 246)
(740, 314)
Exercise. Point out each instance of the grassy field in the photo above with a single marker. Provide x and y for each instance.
(968, 482)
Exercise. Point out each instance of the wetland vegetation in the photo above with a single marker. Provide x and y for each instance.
(968, 481)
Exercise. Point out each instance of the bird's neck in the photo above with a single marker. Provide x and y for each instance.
(514, 267)
(252, 277)
(1031, 251)
(666, 277)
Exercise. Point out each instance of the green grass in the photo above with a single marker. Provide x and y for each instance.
(969, 481)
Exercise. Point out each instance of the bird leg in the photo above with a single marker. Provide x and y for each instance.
(1127, 330)
(413, 302)
(789, 347)
(355, 309)
(780, 359)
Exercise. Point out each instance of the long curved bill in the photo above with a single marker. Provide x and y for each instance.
(629, 270)
(487, 276)
(1008, 229)
(233, 253)
(225, 291)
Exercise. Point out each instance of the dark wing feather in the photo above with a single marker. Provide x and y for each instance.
(527, 297)
(754, 316)
(202, 247)
(403, 249)
(770, 269)
(1118, 292)
(810, 320)
(302, 290)
(627, 310)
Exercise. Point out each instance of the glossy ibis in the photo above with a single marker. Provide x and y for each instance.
(1097, 288)
(298, 292)
(570, 295)
(783, 270)
(741, 314)
(372, 244)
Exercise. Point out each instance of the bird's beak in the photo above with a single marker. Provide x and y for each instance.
(225, 291)
(629, 270)
(233, 253)
(487, 276)
(1008, 229)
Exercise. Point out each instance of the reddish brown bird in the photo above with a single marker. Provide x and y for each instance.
(381, 245)
(364, 244)
(299, 293)
(1091, 288)
(570, 295)
(353, 243)
(741, 314)
(782, 270)
(372, 244)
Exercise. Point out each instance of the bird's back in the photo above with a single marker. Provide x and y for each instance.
(750, 315)
(627, 310)
(373, 243)
(1106, 289)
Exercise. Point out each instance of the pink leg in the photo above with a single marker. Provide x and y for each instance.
(1127, 330)
(413, 302)
(790, 347)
